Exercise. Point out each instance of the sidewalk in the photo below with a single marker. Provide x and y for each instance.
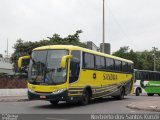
(13, 98)
(149, 105)
(13, 95)
(13, 92)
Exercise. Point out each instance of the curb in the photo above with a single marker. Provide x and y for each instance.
(146, 108)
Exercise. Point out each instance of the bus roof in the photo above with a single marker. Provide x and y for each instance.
(147, 71)
(71, 47)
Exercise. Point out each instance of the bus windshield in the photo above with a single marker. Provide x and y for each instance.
(45, 67)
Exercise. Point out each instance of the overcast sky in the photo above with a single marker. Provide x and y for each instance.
(133, 23)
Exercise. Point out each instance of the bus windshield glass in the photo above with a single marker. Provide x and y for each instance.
(45, 67)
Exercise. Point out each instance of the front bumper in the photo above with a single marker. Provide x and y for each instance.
(62, 96)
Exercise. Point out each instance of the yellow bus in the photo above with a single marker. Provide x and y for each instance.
(71, 73)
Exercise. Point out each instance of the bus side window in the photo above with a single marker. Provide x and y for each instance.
(99, 62)
(124, 67)
(130, 67)
(118, 65)
(88, 61)
(109, 64)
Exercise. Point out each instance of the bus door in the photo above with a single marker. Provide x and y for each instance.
(74, 70)
(74, 66)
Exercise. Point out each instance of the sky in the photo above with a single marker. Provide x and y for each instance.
(133, 23)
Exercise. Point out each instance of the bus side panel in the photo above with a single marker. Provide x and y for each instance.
(118, 80)
(102, 83)
(87, 79)
(152, 87)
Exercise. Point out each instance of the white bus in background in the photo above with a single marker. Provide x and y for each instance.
(137, 86)
(146, 81)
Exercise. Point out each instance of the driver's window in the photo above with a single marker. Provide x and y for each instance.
(74, 66)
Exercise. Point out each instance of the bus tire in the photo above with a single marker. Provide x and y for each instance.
(53, 102)
(121, 95)
(85, 98)
(158, 94)
(150, 94)
(138, 91)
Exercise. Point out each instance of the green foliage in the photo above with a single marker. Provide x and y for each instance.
(124, 52)
(22, 48)
(142, 60)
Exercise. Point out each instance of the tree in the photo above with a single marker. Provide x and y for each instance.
(142, 60)
(126, 53)
(22, 48)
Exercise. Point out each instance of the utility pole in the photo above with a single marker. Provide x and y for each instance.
(154, 55)
(103, 38)
(7, 47)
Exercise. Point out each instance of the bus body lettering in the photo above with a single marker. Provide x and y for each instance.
(109, 76)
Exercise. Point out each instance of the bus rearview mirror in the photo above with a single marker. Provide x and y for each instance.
(64, 59)
(20, 60)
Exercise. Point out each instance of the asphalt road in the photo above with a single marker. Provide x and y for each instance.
(104, 106)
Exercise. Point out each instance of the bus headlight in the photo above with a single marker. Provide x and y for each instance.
(59, 91)
(30, 90)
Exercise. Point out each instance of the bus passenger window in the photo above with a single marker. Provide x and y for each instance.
(130, 67)
(100, 63)
(88, 61)
(118, 65)
(109, 64)
(124, 67)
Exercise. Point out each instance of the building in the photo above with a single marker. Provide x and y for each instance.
(92, 46)
(6, 66)
(107, 48)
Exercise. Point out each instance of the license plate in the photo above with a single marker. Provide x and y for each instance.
(42, 97)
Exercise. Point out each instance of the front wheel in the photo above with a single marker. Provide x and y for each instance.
(86, 98)
(150, 94)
